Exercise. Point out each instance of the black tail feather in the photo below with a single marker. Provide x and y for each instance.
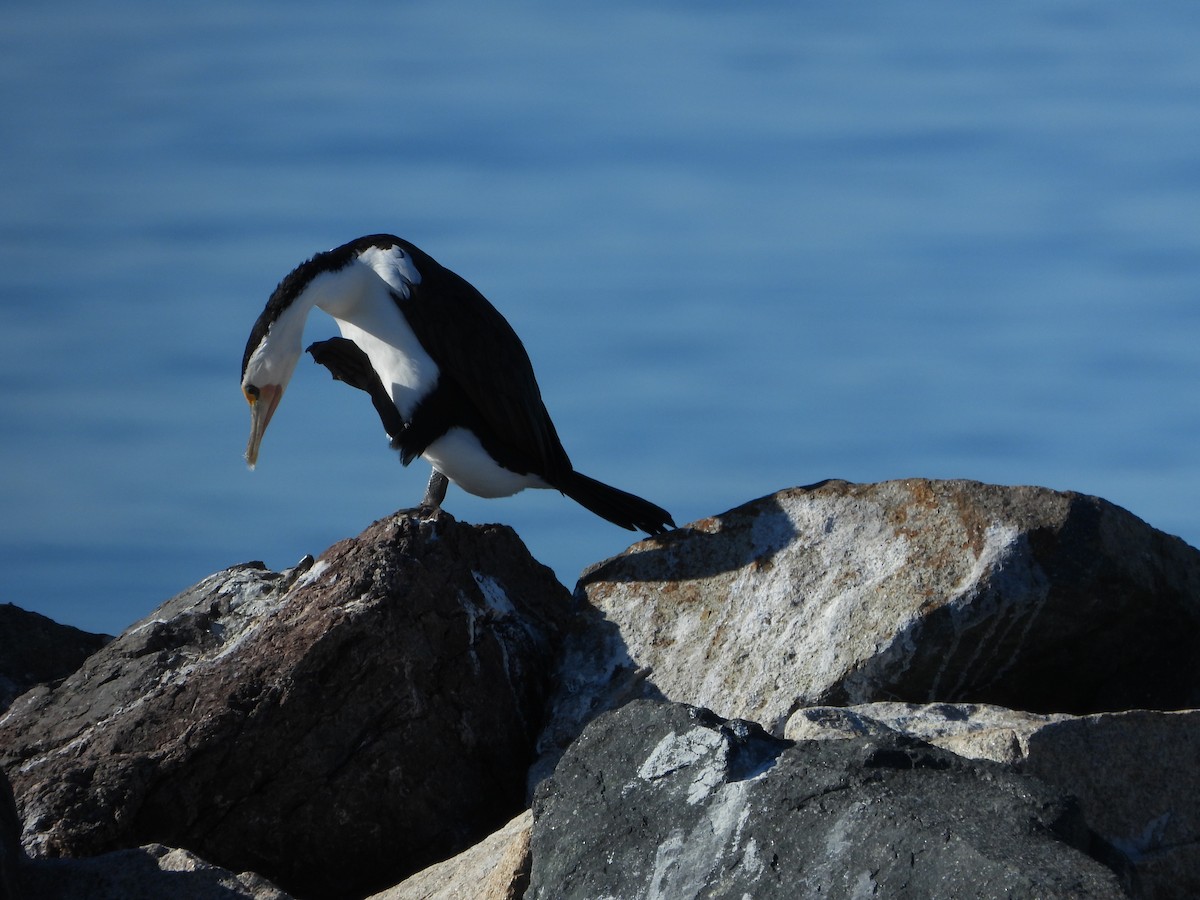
(615, 505)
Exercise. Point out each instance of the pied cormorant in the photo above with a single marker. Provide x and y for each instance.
(448, 375)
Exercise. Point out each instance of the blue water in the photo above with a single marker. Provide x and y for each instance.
(747, 246)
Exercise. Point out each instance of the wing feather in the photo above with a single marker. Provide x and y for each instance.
(473, 344)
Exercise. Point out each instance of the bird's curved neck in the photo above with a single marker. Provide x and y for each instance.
(351, 295)
(344, 294)
(364, 306)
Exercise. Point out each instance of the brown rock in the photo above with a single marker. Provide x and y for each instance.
(332, 729)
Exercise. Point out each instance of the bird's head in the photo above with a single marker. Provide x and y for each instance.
(270, 359)
(335, 281)
(274, 348)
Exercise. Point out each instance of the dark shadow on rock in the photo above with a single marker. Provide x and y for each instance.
(136, 874)
(752, 532)
(1081, 618)
(595, 674)
(36, 650)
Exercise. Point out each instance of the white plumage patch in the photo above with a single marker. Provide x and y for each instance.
(394, 266)
(359, 298)
(460, 457)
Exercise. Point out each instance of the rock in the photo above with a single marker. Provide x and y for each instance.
(1135, 774)
(497, 868)
(973, 730)
(920, 591)
(333, 729)
(34, 649)
(11, 856)
(665, 800)
(152, 872)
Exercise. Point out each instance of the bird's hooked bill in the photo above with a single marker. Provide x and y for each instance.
(262, 407)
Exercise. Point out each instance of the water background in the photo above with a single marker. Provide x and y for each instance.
(747, 247)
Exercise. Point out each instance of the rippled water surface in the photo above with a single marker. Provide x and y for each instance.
(747, 247)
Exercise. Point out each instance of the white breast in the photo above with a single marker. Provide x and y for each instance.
(366, 313)
(460, 457)
(359, 298)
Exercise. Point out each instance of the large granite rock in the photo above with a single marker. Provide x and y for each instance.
(333, 727)
(665, 800)
(34, 649)
(1136, 774)
(912, 590)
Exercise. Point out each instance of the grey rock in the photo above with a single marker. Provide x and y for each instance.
(973, 730)
(665, 800)
(34, 649)
(153, 872)
(915, 590)
(1136, 774)
(333, 728)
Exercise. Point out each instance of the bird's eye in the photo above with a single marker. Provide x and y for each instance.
(251, 392)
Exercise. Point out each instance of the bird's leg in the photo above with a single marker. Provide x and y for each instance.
(346, 362)
(435, 493)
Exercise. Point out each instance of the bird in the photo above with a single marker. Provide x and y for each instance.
(447, 374)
